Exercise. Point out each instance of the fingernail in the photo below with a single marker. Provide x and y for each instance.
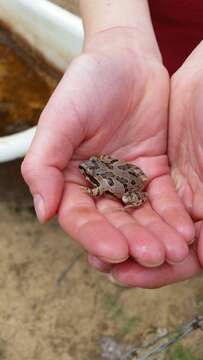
(94, 261)
(98, 264)
(173, 263)
(114, 261)
(191, 241)
(39, 208)
(116, 282)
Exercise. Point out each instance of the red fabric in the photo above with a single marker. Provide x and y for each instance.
(178, 25)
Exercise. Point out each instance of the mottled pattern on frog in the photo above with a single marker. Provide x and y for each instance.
(123, 180)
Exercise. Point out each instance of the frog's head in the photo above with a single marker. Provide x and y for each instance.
(88, 168)
(85, 168)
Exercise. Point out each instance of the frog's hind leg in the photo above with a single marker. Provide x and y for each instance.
(134, 199)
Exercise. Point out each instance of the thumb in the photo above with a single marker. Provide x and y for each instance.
(59, 132)
(199, 236)
(46, 185)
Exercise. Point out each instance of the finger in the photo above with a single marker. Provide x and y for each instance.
(176, 249)
(79, 218)
(166, 203)
(143, 245)
(175, 246)
(98, 264)
(153, 167)
(198, 227)
(134, 275)
(46, 186)
(194, 60)
(58, 134)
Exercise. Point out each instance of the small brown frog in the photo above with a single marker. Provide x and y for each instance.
(119, 178)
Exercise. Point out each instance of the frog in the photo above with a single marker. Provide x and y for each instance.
(119, 178)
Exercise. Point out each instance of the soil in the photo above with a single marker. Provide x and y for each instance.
(54, 306)
(71, 5)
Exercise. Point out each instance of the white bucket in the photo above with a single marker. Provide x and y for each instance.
(55, 33)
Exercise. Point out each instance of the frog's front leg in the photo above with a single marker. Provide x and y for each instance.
(97, 191)
(134, 199)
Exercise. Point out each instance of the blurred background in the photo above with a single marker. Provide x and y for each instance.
(52, 304)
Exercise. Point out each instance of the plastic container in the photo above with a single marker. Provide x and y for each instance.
(55, 33)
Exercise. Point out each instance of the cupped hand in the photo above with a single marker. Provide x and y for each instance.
(113, 100)
(186, 138)
(185, 149)
(131, 274)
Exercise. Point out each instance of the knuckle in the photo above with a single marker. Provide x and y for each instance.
(27, 170)
(62, 217)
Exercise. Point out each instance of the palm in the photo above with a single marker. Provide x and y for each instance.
(185, 151)
(186, 155)
(122, 115)
(111, 100)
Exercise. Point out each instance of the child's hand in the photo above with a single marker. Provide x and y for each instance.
(186, 138)
(186, 158)
(112, 100)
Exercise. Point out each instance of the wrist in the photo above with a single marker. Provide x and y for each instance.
(126, 19)
(121, 39)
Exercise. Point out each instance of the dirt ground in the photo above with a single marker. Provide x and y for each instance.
(71, 5)
(46, 314)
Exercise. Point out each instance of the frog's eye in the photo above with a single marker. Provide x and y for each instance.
(93, 158)
(110, 182)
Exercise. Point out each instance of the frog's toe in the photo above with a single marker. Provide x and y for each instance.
(134, 205)
(86, 190)
(92, 192)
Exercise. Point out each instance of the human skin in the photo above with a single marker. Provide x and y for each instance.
(113, 99)
(185, 149)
